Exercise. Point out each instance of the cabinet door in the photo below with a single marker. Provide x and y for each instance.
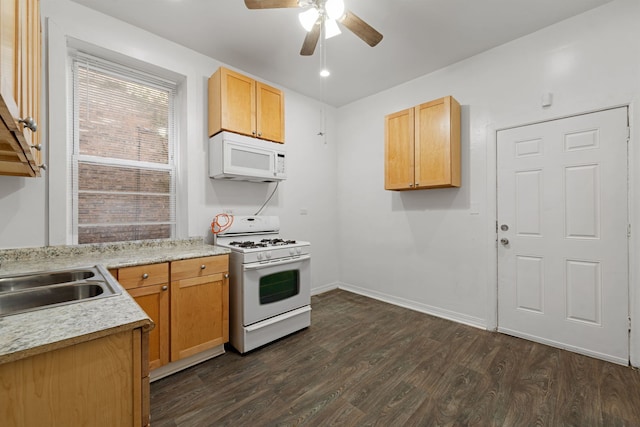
(149, 286)
(92, 383)
(437, 144)
(19, 94)
(199, 314)
(270, 112)
(10, 55)
(399, 150)
(238, 102)
(154, 300)
(30, 73)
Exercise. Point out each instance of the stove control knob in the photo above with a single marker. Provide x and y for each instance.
(299, 250)
(292, 251)
(268, 254)
(260, 256)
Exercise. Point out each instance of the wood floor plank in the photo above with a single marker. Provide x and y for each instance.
(364, 362)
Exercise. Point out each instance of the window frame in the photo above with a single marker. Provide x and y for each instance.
(125, 71)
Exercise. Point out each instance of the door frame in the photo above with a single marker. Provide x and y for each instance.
(633, 215)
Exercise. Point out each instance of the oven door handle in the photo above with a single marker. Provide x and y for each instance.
(279, 318)
(257, 266)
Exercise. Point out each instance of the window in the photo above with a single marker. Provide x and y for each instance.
(123, 170)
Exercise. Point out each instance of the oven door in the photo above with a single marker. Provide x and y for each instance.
(276, 287)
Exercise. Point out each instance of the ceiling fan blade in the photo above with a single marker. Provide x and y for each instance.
(361, 29)
(270, 4)
(311, 40)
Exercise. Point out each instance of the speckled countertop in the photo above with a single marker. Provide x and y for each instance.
(26, 334)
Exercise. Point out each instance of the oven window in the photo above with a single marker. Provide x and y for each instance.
(279, 286)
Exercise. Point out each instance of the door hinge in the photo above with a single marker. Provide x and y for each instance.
(628, 133)
(496, 226)
(628, 230)
(629, 323)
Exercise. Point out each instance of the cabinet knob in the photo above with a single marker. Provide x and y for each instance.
(410, 185)
(165, 287)
(226, 275)
(202, 267)
(37, 147)
(253, 132)
(145, 276)
(28, 122)
(259, 133)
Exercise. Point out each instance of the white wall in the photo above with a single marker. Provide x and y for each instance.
(312, 179)
(434, 250)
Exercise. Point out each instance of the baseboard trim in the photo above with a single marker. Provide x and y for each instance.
(476, 322)
(563, 346)
(187, 362)
(325, 288)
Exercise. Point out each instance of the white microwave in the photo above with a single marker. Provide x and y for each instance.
(242, 158)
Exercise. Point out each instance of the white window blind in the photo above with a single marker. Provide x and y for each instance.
(123, 174)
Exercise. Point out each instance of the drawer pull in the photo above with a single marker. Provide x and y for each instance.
(165, 287)
(145, 276)
(202, 267)
(29, 123)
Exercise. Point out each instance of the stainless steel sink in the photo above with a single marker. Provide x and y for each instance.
(34, 291)
(15, 283)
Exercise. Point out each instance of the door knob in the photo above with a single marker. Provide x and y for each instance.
(504, 241)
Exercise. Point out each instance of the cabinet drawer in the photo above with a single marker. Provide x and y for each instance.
(143, 275)
(196, 267)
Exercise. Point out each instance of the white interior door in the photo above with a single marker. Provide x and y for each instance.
(562, 233)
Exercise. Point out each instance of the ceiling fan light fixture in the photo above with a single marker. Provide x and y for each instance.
(308, 18)
(331, 28)
(334, 9)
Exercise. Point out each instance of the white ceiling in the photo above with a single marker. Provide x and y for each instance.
(420, 36)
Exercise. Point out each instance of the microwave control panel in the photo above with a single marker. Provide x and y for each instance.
(280, 164)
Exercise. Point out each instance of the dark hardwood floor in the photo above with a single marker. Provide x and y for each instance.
(364, 362)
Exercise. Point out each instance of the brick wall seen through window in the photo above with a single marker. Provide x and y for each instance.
(122, 162)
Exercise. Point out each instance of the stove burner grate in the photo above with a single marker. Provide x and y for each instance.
(264, 243)
(277, 242)
(248, 244)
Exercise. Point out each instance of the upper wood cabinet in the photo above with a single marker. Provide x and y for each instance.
(422, 146)
(20, 86)
(240, 104)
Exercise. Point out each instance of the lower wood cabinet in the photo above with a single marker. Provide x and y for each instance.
(188, 300)
(199, 305)
(101, 382)
(149, 286)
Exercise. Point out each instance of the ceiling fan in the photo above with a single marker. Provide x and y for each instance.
(322, 16)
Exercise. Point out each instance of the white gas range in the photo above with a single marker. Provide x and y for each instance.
(270, 282)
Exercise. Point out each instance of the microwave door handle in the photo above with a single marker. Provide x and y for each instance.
(257, 266)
